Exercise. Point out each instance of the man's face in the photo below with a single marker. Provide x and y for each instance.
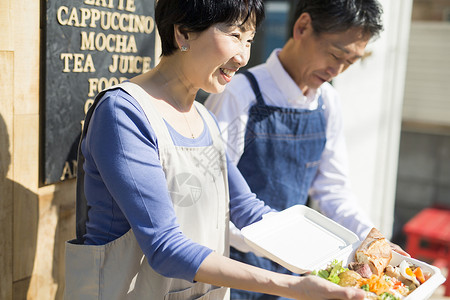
(323, 57)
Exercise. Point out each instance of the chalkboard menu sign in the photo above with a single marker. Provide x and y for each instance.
(90, 45)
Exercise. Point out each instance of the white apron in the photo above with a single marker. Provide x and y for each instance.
(198, 185)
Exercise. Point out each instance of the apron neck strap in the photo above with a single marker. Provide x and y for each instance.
(255, 86)
(81, 202)
(155, 119)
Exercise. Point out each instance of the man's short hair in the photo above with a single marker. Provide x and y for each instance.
(334, 16)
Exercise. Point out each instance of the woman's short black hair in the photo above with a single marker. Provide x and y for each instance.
(333, 16)
(199, 15)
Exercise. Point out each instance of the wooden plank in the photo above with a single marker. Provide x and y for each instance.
(6, 184)
(21, 289)
(6, 38)
(26, 203)
(61, 196)
(43, 279)
(26, 32)
(25, 28)
(66, 231)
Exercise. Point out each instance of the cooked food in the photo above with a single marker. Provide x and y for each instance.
(371, 296)
(371, 271)
(374, 251)
(331, 272)
(407, 273)
(376, 284)
(361, 268)
(350, 278)
(390, 285)
(392, 272)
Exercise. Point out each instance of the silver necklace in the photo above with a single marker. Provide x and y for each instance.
(192, 134)
(179, 107)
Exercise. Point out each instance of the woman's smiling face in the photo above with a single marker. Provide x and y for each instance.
(216, 54)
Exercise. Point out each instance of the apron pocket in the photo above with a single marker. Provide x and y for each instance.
(199, 291)
(82, 271)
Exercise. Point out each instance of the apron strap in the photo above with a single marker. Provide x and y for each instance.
(154, 118)
(320, 104)
(259, 98)
(210, 123)
(81, 202)
(255, 86)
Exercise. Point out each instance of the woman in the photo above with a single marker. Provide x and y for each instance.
(155, 190)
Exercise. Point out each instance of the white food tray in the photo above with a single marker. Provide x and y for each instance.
(302, 240)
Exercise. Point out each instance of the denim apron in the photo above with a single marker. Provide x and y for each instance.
(282, 151)
(119, 270)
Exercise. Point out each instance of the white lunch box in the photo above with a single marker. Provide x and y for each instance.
(302, 240)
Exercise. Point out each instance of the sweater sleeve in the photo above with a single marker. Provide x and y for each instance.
(126, 187)
(245, 208)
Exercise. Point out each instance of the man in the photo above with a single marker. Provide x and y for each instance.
(282, 120)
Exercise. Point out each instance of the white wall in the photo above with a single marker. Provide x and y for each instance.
(427, 91)
(372, 96)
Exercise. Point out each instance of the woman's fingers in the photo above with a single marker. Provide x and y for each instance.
(313, 287)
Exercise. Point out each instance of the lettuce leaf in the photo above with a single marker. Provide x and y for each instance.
(388, 296)
(331, 272)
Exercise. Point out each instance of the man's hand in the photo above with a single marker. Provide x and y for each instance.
(398, 249)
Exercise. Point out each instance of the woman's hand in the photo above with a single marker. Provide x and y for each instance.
(223, 271)
(314, 287)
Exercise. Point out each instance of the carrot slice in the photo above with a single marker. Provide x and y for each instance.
(419, 275)
(377, 284)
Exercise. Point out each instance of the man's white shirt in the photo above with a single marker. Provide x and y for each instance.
(330, 189)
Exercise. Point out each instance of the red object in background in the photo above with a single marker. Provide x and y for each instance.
(428, 236)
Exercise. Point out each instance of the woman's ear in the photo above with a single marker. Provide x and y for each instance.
(302, 26)
(181, 37)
